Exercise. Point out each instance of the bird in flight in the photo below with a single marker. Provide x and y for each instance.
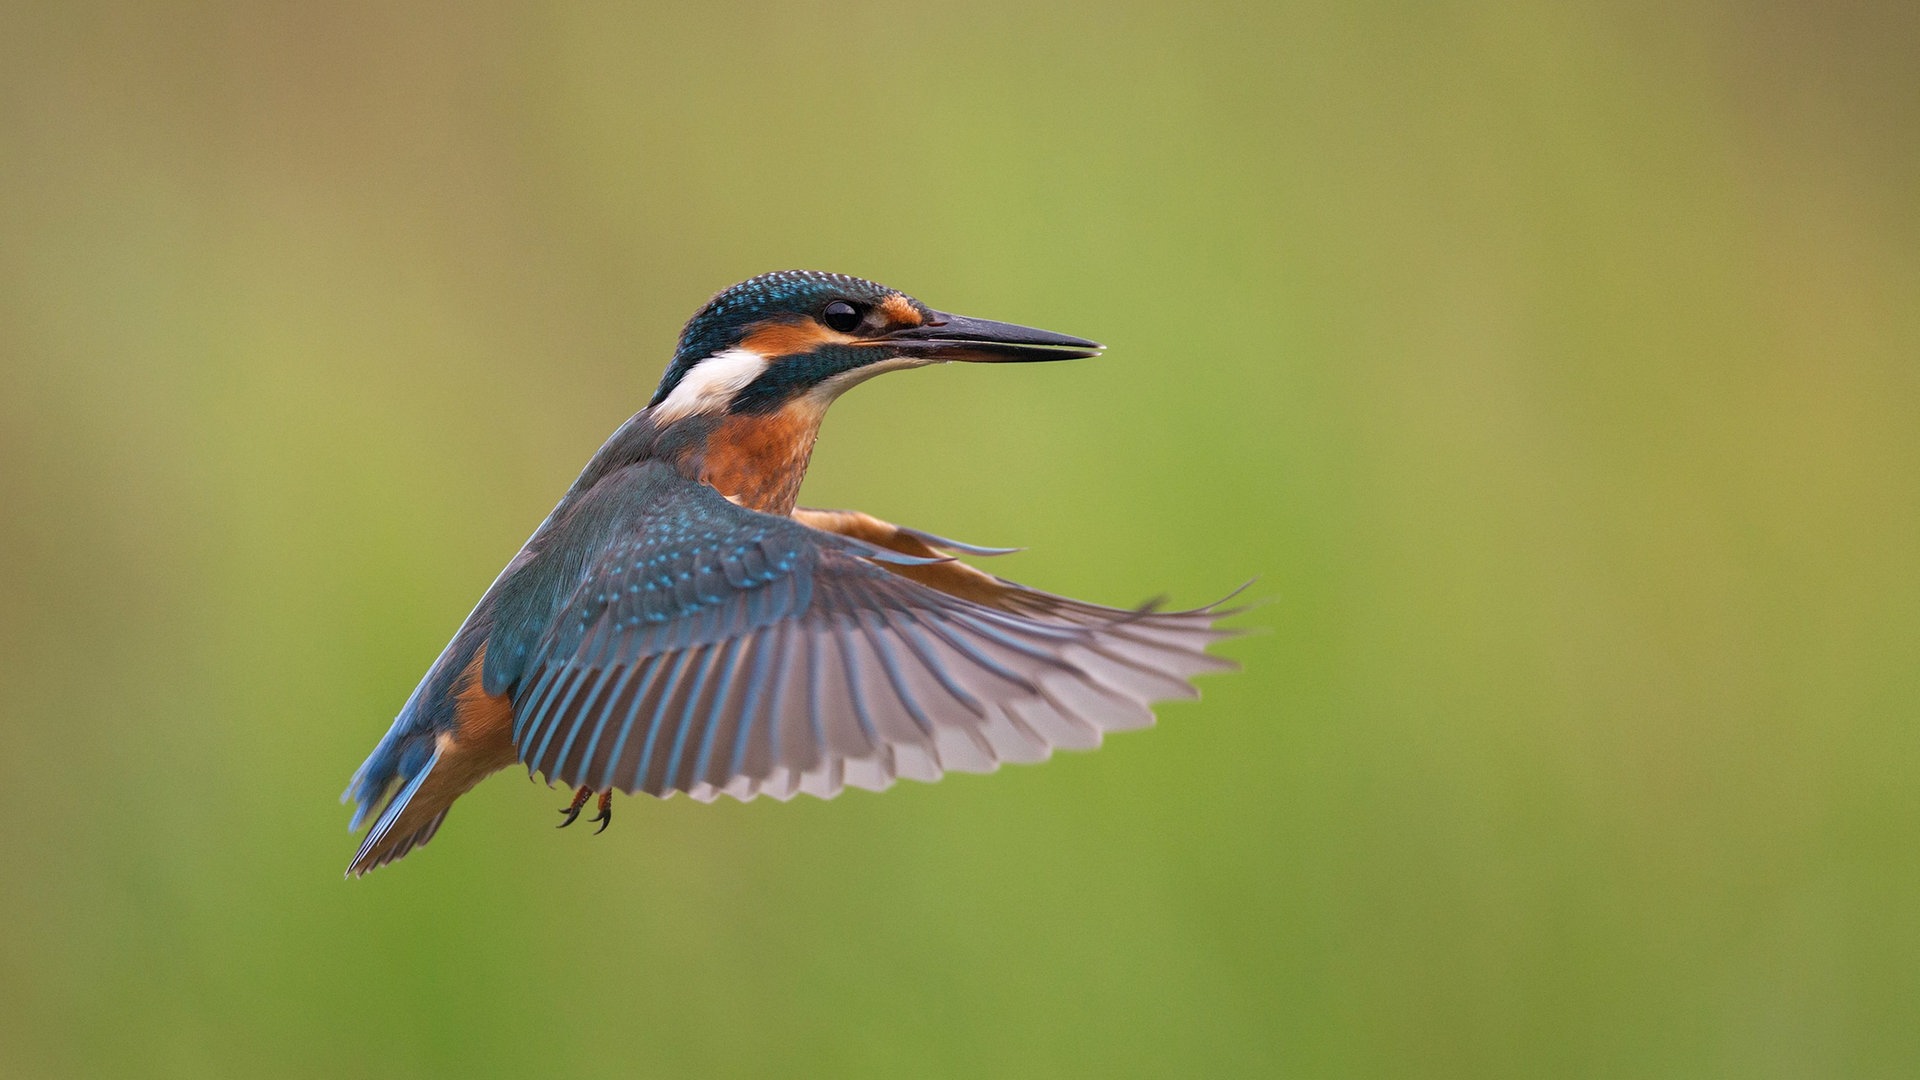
(677, 624)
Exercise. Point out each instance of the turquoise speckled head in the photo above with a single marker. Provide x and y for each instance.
(735, 311)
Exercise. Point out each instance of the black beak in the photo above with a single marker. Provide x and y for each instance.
(983, 341)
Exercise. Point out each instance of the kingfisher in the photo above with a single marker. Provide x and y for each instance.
(678, 624)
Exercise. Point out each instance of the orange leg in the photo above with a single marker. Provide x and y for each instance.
(573, 809)
(606, 811)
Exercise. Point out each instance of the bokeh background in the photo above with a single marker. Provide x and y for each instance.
(1555, 366)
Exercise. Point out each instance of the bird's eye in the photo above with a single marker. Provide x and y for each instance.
(840, 316)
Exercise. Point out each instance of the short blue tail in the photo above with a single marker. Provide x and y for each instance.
(388, 839)
(403, 758)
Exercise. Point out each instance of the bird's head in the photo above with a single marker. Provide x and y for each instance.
(793, 340)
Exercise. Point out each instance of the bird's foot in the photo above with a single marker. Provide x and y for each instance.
(573, 808)
(572, 811)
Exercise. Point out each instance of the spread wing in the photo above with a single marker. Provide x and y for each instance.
(712, 649)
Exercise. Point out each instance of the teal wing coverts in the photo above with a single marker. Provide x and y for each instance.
(688, 644)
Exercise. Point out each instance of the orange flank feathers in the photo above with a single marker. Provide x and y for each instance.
(481, 745)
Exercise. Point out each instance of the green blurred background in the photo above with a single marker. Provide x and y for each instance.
(1556, 367)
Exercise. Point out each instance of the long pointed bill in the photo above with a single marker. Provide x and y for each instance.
(983, 341)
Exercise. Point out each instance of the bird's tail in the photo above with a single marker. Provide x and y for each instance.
(431, 764)
(406, 823)
(403, 760)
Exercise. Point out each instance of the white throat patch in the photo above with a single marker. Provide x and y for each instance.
(711, 384)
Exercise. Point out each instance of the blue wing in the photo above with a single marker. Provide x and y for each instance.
(709, 649)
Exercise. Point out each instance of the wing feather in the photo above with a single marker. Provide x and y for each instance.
(713, 650)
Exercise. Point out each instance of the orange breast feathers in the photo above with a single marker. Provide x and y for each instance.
(759, 461)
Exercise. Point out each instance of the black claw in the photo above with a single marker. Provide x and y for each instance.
(605, 817)
(572, 809)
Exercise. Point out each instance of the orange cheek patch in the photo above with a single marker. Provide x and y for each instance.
(900, 311)
(790, 338)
